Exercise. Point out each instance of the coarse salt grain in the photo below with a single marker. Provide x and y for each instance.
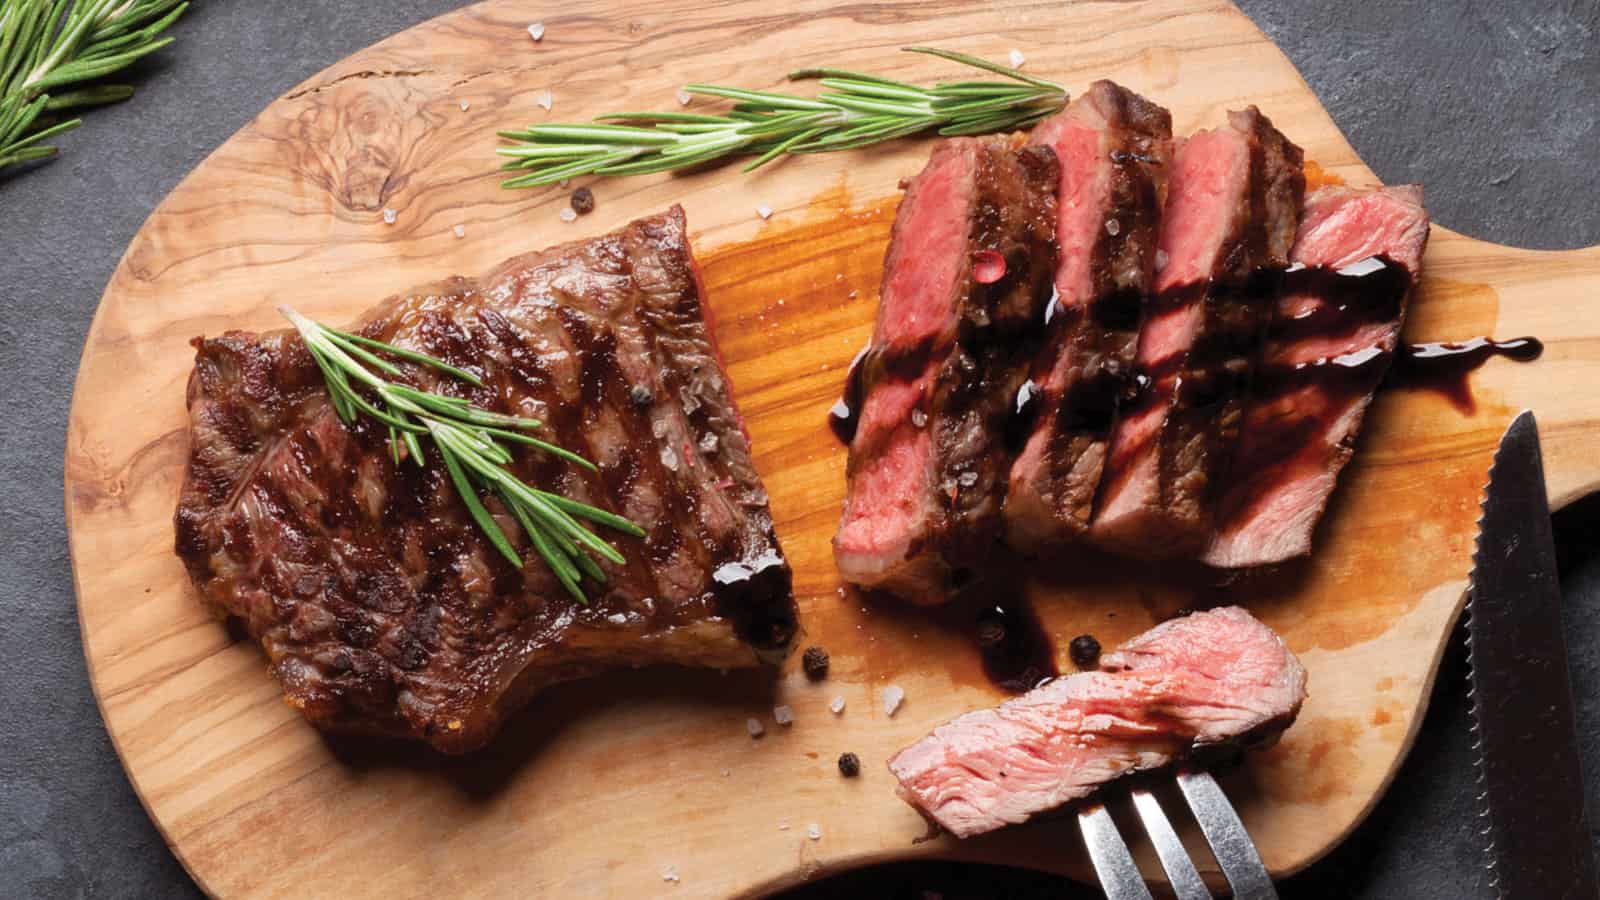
(1113, 227)
(461, 231)
(892, 696)
(754, 726)
(465, 105)
(783, 826)
(783, 715)
(764, 211)
(670, 873)
(837, 705)
(684, 97)
(568, 214)
(1017, 59)
(919, 419)
(726, 772)
(389, 216)
(1161, 260)
(814, 831)
(545, 100)
(617, 619)
(536, 31)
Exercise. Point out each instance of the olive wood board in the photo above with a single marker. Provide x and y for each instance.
(600, 786)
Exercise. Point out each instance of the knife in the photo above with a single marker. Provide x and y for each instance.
(1530, 782)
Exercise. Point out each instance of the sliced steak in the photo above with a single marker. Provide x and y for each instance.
(1232, 208)
(967, 275)
(1338, 320)
(1114, 149)
(1184, 687)
(381, 606)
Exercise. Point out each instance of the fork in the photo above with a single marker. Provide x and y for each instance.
(1230, 843)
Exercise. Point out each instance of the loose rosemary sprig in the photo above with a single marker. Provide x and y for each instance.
(51, 45)
(471, 443)
(855, 110)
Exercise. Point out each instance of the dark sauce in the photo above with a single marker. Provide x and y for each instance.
(1365, 291)
(1017, 653)
(1444, 367)
(846, 412)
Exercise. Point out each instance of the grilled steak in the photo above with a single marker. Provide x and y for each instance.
(1233, 204)
(965, 281)
(381, 606)
(1114, 148)
(1184, 687)
(1332, 339)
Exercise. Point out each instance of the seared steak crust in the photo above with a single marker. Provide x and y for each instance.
(379, 603)
(1114, 147)
(1209, 316)
(1332, 339)
(968, 272)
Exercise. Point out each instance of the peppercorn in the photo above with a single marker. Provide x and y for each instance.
(583, 201)
(1085, 651)
(849, 765)
(815, 662)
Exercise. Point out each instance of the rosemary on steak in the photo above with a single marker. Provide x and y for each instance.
(50, 49)
(855, 110)
(471, 442)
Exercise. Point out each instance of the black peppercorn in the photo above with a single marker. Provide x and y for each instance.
(849, 765)
(583, 201)
(815, 662)
(1085, 651)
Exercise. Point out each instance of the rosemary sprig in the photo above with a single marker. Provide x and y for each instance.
(47, 47)
(471, 443)
(855, 110)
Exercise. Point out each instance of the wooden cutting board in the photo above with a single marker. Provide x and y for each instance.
(600, 786)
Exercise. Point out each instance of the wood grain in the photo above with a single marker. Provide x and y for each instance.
(601, 785)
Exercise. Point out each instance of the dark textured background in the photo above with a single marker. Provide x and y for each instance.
(1492, 104)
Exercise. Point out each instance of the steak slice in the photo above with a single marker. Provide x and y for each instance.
(1333, 337)
(1232, 208)
(381, 606)
(1184, 687)
(1114, 148)
(965, 281)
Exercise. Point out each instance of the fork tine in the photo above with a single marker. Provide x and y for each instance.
(1119, 876)
(1235, 852)
(1181, 873)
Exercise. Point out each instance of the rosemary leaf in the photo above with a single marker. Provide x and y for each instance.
(854, 110)
(469, 443)
(57, 46)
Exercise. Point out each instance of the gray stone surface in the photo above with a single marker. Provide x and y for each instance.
(1492, 105)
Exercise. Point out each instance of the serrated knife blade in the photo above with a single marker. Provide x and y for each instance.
(1530, 780)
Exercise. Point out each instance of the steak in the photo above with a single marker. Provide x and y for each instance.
(1333, 337)
(1114, 148)
(968, 272)
(381, 606)
(1233, 204)
(1189, 686)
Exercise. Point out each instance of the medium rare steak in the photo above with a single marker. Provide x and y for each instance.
(1188, 685)
(1232, 208)
(965, 281)
(1338, 320)
(1114, 148)
(381, 606)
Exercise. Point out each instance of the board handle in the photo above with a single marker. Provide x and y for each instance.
(1471, 288)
